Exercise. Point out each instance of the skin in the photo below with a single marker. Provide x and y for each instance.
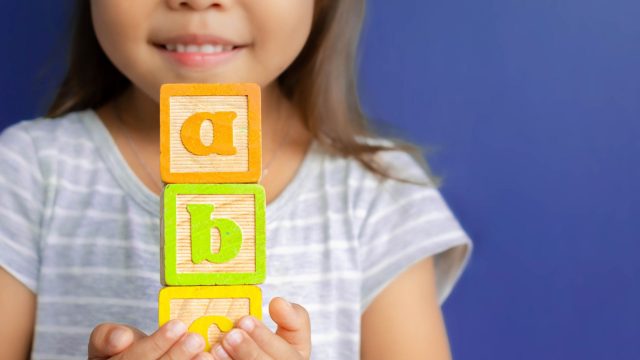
(128, 30)
(274, 36)
(17, 311)
(405, 321)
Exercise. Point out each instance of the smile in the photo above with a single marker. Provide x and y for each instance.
(203, 48)
(199, 56)
(198, 50)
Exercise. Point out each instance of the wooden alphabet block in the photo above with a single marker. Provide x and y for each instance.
(209, 311)
(213, 234)
(210, 133)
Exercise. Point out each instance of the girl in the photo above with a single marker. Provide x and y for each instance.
(358, 234)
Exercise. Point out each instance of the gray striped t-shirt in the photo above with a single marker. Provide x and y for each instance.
(79, 229)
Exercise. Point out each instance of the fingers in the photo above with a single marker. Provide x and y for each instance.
(238, 345)
(272, 344)
(252, 340)
(187, 347)
(169, 342)
(156, 344)
(294, 325)
(204, 356)
(110, 339)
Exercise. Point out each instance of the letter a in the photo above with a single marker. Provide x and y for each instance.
(222, 143)
(201, 225)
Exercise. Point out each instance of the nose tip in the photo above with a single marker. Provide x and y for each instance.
(194, 4)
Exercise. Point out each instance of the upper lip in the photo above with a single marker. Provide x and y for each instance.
(197, 39)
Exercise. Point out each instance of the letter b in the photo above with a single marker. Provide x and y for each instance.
(201, 225)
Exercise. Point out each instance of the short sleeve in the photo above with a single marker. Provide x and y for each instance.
(21, 196)
(405, 223)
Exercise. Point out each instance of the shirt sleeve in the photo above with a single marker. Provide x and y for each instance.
(21, 197)
(405, 223)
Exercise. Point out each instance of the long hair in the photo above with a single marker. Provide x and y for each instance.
(321, 82)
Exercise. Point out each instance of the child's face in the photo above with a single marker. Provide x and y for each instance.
(267, 37)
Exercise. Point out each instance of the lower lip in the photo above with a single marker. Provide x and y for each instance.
(200, 60)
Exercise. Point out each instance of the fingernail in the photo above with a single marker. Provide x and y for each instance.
(287, 302)
(233, 338)
(220, 353)
(175, 328)
(247, 324)
(118, 337)
(193, 342)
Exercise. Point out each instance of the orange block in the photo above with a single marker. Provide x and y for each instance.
(210, 133)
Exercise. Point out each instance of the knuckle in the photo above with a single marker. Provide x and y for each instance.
(157, 344)
(256, 355)
(251, 355)
(169, 356)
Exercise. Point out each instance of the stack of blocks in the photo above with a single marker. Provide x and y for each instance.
(213, 211)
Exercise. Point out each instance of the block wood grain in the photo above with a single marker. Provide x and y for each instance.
(240, 208)
(210, 311)
(188, 136)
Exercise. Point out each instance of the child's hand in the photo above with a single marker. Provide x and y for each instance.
(292, 339)
(120, 342)
(252, 340)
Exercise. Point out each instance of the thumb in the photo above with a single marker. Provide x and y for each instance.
(110, 339)
(294, 325)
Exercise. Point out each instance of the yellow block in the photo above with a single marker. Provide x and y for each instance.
(209, 311)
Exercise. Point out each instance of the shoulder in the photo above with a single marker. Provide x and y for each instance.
(389, 223)
(48, 149)
(405, 169)
(403, 219)
(366, 195)
(44, 128)
(43, 133)
(43, 137)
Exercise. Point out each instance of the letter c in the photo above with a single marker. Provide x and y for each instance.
(201, 326)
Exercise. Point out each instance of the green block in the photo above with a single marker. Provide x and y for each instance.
(213, 234)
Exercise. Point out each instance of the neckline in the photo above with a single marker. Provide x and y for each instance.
(135, 188)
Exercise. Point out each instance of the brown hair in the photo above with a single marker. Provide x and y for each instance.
(321, 82)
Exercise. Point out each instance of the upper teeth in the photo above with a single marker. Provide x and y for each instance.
(206, 48)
